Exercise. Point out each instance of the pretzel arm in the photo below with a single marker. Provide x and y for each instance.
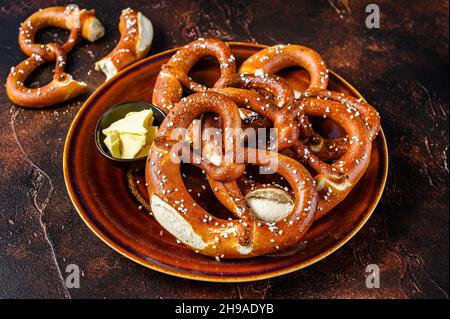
(227, 110)
(178, 213)
(352, 164)
(174, 76)
(136, 35)
(70, 18)
(356, 107)
(273, 59)
(328, 149)
(61, 88)
(287, 128)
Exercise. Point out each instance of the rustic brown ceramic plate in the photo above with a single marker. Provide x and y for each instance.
(100, 192)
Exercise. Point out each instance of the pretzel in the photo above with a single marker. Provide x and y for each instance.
(327, 149)
(341, 176)
(287, 136)
(281, 93)
(268, 202)
(231, 120)
(273, 59)
(174, 75)
(136, 35)
(286, 125)
(251, 103)
(334, 181)
(63, 86)
(352, 164)
(323, 149)
(333, 149)
(229, 193)
(356, 107)
(78, 22)
(338, 163)
(287, 131)
(274, 90)
(181, 216)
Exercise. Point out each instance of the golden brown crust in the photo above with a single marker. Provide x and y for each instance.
(62, 87)
(70, 18)
(136, 35)
(351, 165)
(174, 76)
(273, 59)
(355, 107)
(338, 163)
(223, 238)
(283, 120)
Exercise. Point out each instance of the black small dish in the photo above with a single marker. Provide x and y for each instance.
(118, 112)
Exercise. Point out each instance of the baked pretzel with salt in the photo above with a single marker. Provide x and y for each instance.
(355, 107)
(63, 86)
(273, 59)
(351, 154)
(181, 216)
(287, 132)
(136, 35)
(174, 76)
(281, 94)
(333, 181)
(350, 166)
(340, 176)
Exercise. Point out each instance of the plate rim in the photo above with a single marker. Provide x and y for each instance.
(207, 277)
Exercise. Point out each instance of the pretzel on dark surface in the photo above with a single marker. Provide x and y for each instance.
(136, 35)
(63, 86)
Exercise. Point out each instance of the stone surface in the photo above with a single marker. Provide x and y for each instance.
(402, 68)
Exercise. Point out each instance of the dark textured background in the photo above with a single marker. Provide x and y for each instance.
(402, 68)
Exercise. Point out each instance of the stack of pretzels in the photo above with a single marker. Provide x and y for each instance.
(320, 172)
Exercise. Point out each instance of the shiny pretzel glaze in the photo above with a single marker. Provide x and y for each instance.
(351, 165)
(62, 87)
(338, 178)
(136, 35)
(273, 59)
(337, 164)
(180, 215)
(283, 120)
(355, 107)
(78, 22)
(229, 194)
(174, 76)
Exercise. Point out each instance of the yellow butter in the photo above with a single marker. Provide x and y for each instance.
(133, 123)
(131, 144)
(151, 134)
(147, 121)
(112, 142)
(132, 136)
